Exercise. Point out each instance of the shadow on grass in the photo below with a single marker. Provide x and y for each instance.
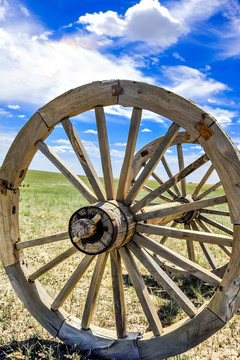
(35, 349)
(195, 289)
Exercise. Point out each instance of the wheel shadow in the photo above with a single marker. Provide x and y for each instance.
(35, 349)
(169, 311)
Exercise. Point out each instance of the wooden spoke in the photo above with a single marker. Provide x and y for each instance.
(66, 171)
(170, 175)
(152, 163)
(171, 268)
(207, 229)
(105, 152)
(203, 181)
(177, 259)
(208, 191)
(216, 224)
(184, 234)
(72, 282)
(160, 181)
(164, 238)
(178, 209)
(163, 197)
(214, 212)
(118, 294)
(42, 241)
(181, 167)
(128, 159)
(163, 279)
(190, 246)
(84, 159)
(169, 183)
(93, 290)
(205, 248)
(65, 255)
(141, 290)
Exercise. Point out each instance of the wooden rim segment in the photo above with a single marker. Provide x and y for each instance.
(199, 127)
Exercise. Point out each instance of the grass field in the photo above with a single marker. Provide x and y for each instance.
(47, 201)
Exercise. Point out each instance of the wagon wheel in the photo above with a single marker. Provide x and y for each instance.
(122, 228)
(198, 220)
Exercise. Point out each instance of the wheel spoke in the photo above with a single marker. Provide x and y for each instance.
(84, 159)
(66, 171)
(184, 234)
(214, 212)
(128, 159)
(105, 152)
(190, 246)
(42, 241)
(93, 290)
(163, 279)
(170, 174)
(160, 181)
(141, 290)
(207, 229)
(211, 189)
(118, 294)
(165, 237)
(216, 224)
(152, 163)
(72, 282)
(163, 197)
(169, 183)
(65, 255)
(203, 181)
(205, 248)
(181, 167)
(177, 259)
(178, 209)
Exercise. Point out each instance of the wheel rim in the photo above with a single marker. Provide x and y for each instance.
(218, 148)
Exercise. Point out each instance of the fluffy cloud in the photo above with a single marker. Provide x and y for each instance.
(90, 131)
(13, 107)
(160, 27)
(120, 144)
(39, 68)
(146, 130)
(196, 10)
(223, 116)
(191, 82)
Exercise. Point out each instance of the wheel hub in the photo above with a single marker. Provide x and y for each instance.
(101, 227)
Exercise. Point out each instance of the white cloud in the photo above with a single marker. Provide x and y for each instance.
(146, 130)
(13, 107)
(195, 147)
(117, 153)
(61, 148)
(211, 101)
(24, 10)
(90, 131)
(178, 56)
(61, 141)
(3, 112)
(120, 144)
(168, 151)
(191, 83)
(21, 116)
(40, 69)
(160, 27)
(6, 139)
(196, 10)
(223, 116)
(127, 112)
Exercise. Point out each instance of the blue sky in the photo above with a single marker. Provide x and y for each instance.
(47, 47)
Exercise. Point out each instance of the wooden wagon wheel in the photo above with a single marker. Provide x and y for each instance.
(122, 228)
